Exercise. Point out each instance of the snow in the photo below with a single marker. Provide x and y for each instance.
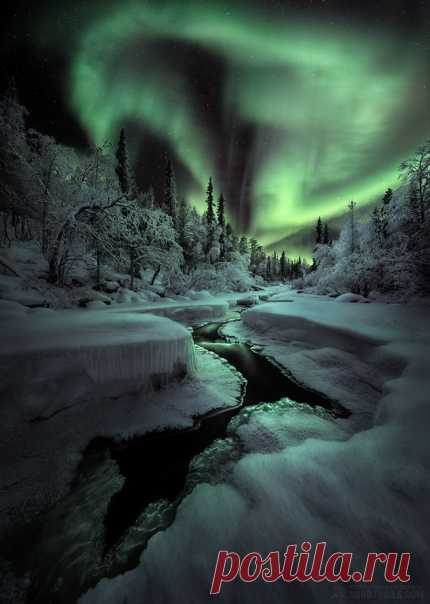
(10, 309)
(14, 289)
(203, 294)
(348, 297)
(49, 359)
(301, 475)
(190, 312)
(248, 300)
(40, 454)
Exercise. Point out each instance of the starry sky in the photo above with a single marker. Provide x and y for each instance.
(293, 107)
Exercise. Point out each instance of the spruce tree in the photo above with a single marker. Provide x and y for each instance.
(231, 242)
(221, 223)
(384, 212)
(182, 221)
(376, 222)
(388, 196)
(416, 171)
(275, 264)
(413, 203)
(268, 268)
(170, 204)
(318, 231)
(326, 239)
(283, 264)
(221, 211)
(243, 245)
(210, 215)
(151, 198)
(228, 231)
(351, 206)
(122, 168)
(253, 256)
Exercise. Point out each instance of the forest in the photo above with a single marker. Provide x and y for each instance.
(84, 219)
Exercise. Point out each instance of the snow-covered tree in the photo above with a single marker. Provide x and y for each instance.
(326, 236)
(147, 237)
(122, 167)
(221, 225)
(416, 172)
(170, 202)
(243, 245)
(318, 231)
(182, 221)
(194, 243)
(283, 265)
(210, 218)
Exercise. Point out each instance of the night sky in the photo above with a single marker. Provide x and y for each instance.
(293, 107)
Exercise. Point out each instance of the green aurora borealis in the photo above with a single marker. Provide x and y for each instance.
(335, 107)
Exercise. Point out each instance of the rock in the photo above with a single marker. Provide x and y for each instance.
(94, 304)
(199, 295)
(109, 287)
(352, 298)
(248, 301)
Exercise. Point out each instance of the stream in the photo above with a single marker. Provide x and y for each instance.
(154, 477)
(165, 476)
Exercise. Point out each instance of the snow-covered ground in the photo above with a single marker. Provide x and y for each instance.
(348, 351)
(361, 484)
(23, 279)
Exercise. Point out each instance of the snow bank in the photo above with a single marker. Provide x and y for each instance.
(49, 359)
(248, 301)
(14, 289)
(352, 298)
(303, 475)
(337, 349)
(189, 312)
(199, 295)
(11, 310)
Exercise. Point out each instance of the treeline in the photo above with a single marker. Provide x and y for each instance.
(87, 215)
(387, 253)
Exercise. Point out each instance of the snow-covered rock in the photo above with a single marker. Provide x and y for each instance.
(353, 298)
(248, 300)
(128, 296)
(94, 304)
(110, 286)
(152, 296)
(199, 295)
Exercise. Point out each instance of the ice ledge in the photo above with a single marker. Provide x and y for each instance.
(49, 358)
